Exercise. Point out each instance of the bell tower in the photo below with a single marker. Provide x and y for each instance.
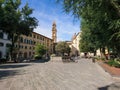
(54, 32)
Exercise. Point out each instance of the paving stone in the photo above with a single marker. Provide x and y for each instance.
(83, 75)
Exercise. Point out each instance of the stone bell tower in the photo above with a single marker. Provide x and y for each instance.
(54, 32)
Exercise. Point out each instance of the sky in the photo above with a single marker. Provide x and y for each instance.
(48, 11)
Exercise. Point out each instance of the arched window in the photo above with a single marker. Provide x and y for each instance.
(1, 35)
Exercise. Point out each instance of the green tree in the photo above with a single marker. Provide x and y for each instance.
(16, 21)
(40, 50)
(102, 18)
(62, 47)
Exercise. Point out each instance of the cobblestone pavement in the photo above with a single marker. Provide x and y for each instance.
(83, 75)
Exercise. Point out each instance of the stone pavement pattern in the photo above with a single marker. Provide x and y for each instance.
(83, 75)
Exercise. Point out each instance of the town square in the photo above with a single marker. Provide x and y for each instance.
(59, 45)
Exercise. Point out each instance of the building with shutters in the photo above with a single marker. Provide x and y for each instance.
(26, 45)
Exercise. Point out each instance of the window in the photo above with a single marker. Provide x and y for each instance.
(8, 45)
(40, 38)
(34, 36)
(22, 46)
(30, 35)
(34, 42)
(1, 44)
(31, 42)
(37, 37)
(9, 38)
(1, 35)
(21, 40)
(25, 47)
(30, 47)
(24, 40)
(27, 42)
(29, 53)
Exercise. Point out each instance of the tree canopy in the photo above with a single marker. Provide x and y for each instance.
(62, 48)
(16, 20)
(101, 18)
(40, 50)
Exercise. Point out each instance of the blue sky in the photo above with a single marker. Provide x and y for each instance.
(47, 11)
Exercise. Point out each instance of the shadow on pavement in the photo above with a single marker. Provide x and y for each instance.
(38, 61)
(5, 66)
(114, 86)
(8, 73)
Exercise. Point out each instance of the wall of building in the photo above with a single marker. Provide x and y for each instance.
(4, 44)
(26, 46)
(75, 44)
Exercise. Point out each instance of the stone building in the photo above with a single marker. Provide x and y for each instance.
(75, 44)
(25, 48)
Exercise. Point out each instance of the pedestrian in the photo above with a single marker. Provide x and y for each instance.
(93, 60)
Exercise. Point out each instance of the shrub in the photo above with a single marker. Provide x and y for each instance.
(53, 55)
(3, 60)
(102, 58)
(38, 57)
(110, 62)
(114, 63)
(97, 58)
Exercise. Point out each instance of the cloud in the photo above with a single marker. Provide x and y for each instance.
(65, 27)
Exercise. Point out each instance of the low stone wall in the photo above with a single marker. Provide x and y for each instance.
(55, 58)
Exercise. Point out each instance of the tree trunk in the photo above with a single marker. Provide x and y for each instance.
(11, 49)
(94, 53)
(18, 50)
(102, 51)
